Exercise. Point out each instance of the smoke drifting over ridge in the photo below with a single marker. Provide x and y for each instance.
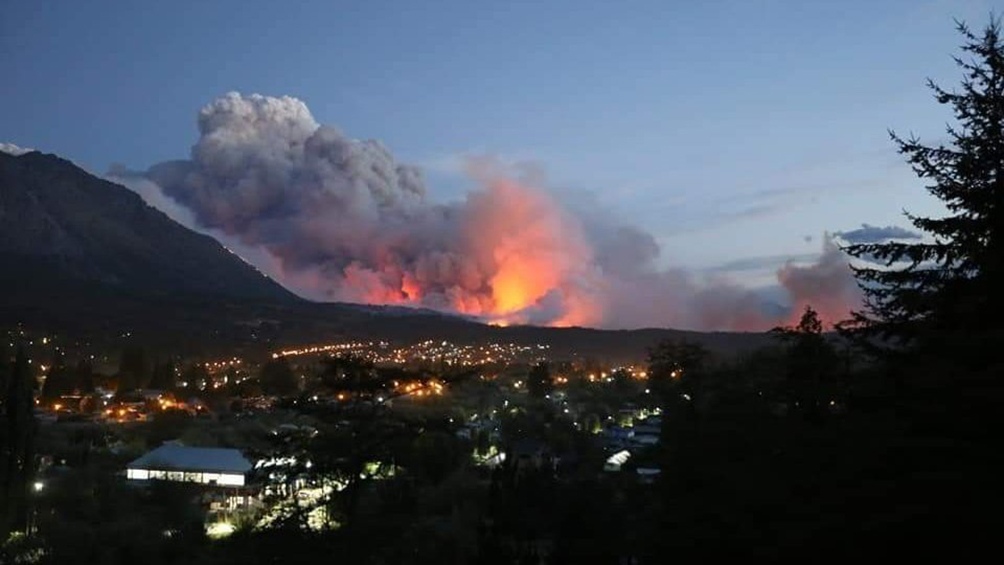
(340, 219)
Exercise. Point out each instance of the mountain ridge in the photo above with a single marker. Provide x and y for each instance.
(58, 219)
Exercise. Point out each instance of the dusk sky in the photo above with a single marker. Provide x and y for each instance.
(735, 132)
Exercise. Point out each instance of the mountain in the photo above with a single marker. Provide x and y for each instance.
(64, 231)
(89, 259)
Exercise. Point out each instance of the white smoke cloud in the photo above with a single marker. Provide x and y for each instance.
(154, 196)
(336, 218)
(14, 150)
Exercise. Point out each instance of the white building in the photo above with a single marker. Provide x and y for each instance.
(616, 461)
(204, 465)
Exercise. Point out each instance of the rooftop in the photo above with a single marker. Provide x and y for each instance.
(183, 458)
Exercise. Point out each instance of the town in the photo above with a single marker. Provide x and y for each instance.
(249, 443)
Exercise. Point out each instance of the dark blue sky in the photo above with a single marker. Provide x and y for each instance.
(731, 130)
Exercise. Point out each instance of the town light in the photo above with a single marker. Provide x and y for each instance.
(39, 485)
(219, 529)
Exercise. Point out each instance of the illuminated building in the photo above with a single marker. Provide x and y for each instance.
(203, 465)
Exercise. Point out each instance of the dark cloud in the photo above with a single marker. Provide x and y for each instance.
(876, 234)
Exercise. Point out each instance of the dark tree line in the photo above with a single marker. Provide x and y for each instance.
(62, 379)
(17, 443)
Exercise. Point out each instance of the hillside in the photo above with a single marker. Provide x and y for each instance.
(66, 234)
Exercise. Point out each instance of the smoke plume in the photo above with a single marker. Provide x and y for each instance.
(340, 219)
(12, 149)
(827, 285)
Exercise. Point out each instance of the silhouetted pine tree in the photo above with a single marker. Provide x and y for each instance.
(941, 300)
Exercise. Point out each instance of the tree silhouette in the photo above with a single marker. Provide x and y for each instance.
(163, 377)
(812, 363)
(134, 369)
(59, 380)
(676, 367)
(83, 376)
(538, 382)
(17, 451)
(277, 378)
(939, 299)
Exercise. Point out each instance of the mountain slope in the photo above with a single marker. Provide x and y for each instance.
(65, 232)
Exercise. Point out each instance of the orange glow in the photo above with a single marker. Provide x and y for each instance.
(522, 260)
(410, 288)
(419, 389)
(520, 281)
(536, 257)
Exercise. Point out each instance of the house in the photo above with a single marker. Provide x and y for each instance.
(616, 461)
(204, 465)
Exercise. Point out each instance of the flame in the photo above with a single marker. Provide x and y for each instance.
(535, 253)
(520, 281)
(410, 288)
(521, 260)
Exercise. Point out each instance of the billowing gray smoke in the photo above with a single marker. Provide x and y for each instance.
(335, 218)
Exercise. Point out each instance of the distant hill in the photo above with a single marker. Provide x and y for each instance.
(85, 257)
(64, 231)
